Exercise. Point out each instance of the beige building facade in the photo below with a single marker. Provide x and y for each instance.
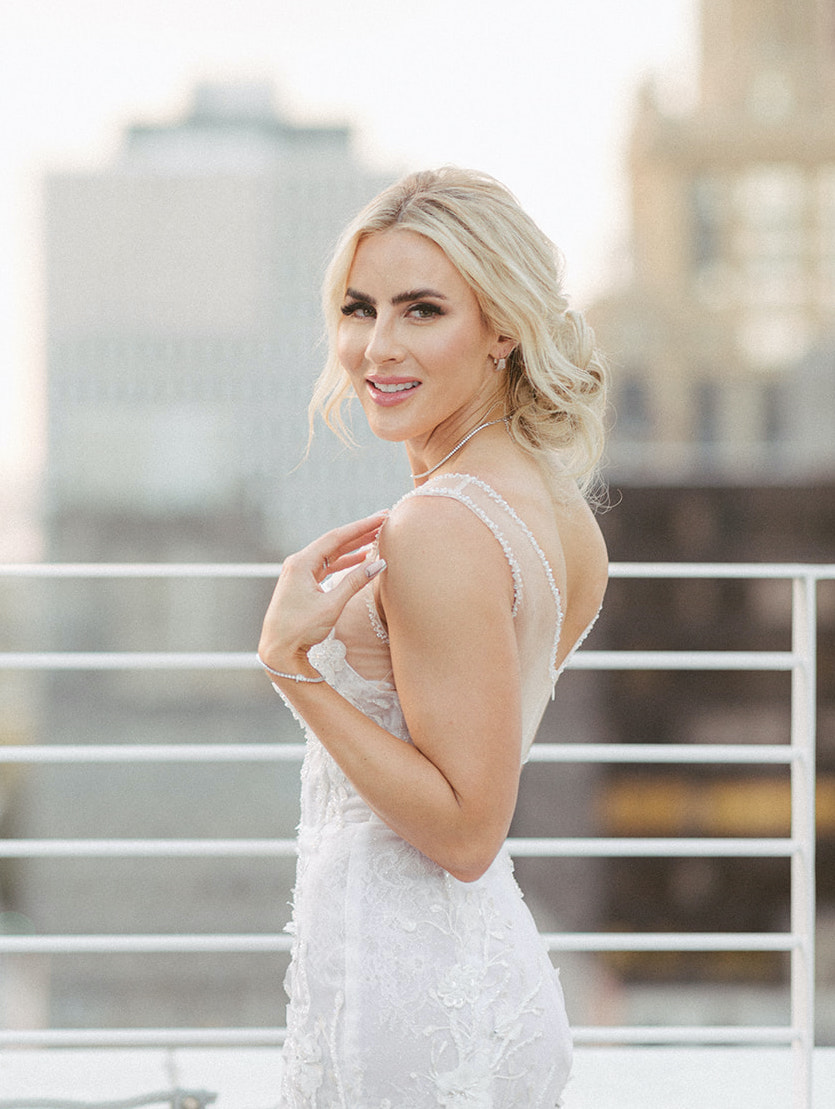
(722, 339)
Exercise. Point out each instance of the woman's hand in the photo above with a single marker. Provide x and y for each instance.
(301, 613)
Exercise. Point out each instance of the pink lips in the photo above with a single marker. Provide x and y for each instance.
(388, 391)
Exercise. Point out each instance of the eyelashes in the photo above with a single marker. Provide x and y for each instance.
(425, 311)
(422, 310)
(357, 308)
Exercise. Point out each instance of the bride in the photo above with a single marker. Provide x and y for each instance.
(419, 647)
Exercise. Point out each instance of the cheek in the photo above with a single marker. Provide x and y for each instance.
(348, 349)
(465, 349)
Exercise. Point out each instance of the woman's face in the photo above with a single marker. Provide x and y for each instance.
(413, 340)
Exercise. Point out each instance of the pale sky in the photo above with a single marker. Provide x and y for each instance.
(538, 92)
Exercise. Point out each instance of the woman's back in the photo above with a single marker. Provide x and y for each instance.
(560, 519)
(556, 562)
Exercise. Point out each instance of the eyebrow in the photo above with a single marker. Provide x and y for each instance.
(401, 298)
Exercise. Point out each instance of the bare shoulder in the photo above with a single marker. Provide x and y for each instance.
(435, 546)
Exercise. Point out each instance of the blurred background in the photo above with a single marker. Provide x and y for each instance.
(172, 180)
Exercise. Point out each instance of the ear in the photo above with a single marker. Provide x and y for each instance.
(503, 347)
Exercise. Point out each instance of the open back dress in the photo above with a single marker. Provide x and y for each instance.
(409, 989)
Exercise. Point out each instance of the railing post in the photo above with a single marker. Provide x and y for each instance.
(803, 833)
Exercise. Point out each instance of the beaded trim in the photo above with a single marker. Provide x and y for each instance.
(455, 492)
(374, 617)
(457, 495)
(578, 643)
(467, 479)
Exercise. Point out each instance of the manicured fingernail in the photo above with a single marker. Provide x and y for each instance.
(374, 568)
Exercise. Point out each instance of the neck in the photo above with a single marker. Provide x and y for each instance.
(461, 442)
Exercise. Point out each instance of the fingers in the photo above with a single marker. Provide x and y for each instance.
(301, 613)
(346, 561)
(344, 546)
(350, 536)
(359, 579)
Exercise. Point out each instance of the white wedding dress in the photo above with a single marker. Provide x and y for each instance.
(409, 989)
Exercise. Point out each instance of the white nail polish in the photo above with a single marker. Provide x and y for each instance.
(374, 568)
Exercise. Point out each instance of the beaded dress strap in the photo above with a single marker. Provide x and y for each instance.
(458, 495)
(374, 616)
(454, 486)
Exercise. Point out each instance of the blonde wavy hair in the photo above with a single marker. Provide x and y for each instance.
(556, 380)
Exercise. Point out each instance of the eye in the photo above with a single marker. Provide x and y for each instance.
(425, 311)
(358, 309)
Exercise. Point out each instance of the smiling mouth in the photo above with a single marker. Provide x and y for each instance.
(398, 387)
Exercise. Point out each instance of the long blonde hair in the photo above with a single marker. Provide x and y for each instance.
(556, 380)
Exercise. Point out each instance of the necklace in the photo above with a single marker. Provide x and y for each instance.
(458, 446)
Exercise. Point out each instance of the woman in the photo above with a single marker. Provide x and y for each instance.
(422, 669)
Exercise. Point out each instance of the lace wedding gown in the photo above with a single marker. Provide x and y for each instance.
(409, 989)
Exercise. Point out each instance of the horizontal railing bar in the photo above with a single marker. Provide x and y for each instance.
(753, 1034)
(243, 943)
(762, 570)
(141, 569)
(294, 752)
(238, 943)
(684, 660)
(642, 847)
(768, 570)
(543, 847)
(128, 660)
(246, 660)
(154, 752)
(142, 1037)
(670, 941)
(663, 752)
(173, 1098)
(145, 848)
(269, 1037)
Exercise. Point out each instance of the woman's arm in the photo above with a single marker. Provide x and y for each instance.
(447, 596)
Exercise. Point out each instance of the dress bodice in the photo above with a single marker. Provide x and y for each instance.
(359, 646)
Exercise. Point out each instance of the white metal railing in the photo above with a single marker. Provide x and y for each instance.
(174, 1099)
(798, 754)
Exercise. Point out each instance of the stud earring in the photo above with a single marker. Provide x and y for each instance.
(499, 364)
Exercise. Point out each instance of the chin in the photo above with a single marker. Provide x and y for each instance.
(390, 431)
(388, 435)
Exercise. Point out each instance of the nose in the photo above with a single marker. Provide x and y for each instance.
(383, 343)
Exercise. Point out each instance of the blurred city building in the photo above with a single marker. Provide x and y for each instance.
(723, 336)
(183, 337)
(723, 344)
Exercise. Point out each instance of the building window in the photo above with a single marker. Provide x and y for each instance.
(773, 338)
(633, 410)
(825, 235)
(769, 241)
(773, 412)
(706, 411)
(706, 222)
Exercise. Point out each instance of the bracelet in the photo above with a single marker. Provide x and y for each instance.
(289, 677)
